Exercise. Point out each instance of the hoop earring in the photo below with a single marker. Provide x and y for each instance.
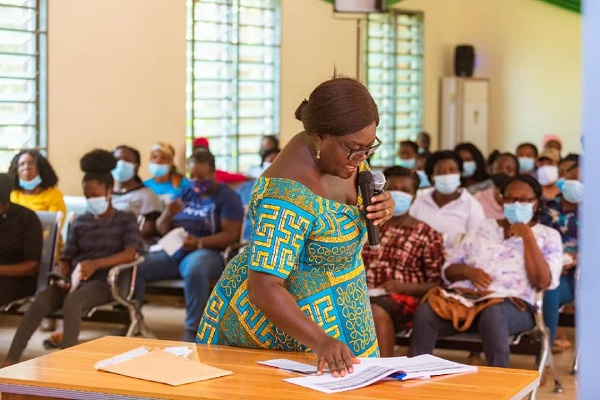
(318, 154)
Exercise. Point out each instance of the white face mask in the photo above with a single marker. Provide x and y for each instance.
(547, 174)
(97, 205)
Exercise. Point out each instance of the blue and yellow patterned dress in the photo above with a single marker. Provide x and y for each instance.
(314, 244)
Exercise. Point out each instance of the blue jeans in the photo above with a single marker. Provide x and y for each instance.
(495, 325)
(197, 269)
(555, 299)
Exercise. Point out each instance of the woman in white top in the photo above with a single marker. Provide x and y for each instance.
(447, 208)
(512, 257)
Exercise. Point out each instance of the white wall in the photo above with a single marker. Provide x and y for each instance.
(117, 69)
(116, 75)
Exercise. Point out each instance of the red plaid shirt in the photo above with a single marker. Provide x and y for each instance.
(408, 254)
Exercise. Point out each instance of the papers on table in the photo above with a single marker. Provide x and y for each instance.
(289, 365)
(171, 242)
(371, 370)
(143, 363)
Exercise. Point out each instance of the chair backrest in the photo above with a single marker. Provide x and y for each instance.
(50, 221)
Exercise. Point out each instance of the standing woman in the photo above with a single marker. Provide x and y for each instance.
(300, 285)
(98, 240)
(474, 169)
(34, 183)
(166, 182)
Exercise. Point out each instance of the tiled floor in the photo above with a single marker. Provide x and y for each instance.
(166, 322)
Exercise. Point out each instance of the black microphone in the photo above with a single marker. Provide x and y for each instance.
(367, 190)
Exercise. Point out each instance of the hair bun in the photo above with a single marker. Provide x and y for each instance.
(98, 161)
(301, 108)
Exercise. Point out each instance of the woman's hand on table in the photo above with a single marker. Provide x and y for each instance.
(381, 208)
(336, 355)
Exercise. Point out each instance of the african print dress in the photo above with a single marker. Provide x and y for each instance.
(314, 244)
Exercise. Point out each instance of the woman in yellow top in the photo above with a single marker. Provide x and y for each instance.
(35, 182)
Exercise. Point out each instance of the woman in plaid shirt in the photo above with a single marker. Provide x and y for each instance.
(406, 266)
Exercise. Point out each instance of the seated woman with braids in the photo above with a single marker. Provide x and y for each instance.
(98, 240)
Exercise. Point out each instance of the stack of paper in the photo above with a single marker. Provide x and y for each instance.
(371, 370)
(143, 363)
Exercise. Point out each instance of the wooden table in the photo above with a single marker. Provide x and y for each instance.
(69, 374)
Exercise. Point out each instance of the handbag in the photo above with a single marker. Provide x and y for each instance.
(460, 306)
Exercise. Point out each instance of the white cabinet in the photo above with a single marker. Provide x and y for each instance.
(464, 112)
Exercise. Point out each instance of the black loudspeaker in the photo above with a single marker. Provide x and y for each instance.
(464, 60)
(359, 6)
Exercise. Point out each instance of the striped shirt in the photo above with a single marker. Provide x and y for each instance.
(90, 238)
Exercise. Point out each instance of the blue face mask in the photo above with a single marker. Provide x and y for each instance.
(526, 164)
(518, 212)
(469, 168)
(572, 190)
(158, 170)
(402, 201)
(447, 184)
(200, 186)
(124, 171)
(30, 185)
(407, 163)
(97, 205)
(559, 183)
(423, 179)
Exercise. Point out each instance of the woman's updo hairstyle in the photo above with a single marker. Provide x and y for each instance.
(338, 107)
(97, 165)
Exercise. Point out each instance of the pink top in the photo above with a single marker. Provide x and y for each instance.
(491, 208)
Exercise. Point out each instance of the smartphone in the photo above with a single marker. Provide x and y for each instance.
(58, 277)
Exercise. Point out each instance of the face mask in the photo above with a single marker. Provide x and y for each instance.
(266, 165)
(423, 179)
(402, 201)
(262, 152)
(421, 150)
(526, 164)
(572, 191)
(499, 179)
(559, 183)
(469, 168)
(158, 170)
(547, 174)
(97, 205)
(201, 186)
(446, 184)
(30, 185)
(124, 171)
(407, 163)
(518, 212)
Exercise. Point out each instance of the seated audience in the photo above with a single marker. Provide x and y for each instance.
(513, 257)
(420, 170)
(562, 215)
(98, 240)
(447, 208)
(408, 154)
(20, 247)
(547, 173)
(527, 154)
(245, 193)
(166, 182)
(473, 170)
(406, 266)
(34, 182)
(265, 150)
(505, 166)
(424, 141)
(201, 144)
(551, 141)
(130, 194)
(211, 214)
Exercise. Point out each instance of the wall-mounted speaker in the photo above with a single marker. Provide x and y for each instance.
(464, 60)
(359, 6)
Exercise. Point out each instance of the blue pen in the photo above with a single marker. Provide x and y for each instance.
(398, 375)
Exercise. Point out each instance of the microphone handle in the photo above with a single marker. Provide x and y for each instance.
(368, 191)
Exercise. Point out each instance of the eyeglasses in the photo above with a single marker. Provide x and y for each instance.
(519, 200)
(356, 155)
